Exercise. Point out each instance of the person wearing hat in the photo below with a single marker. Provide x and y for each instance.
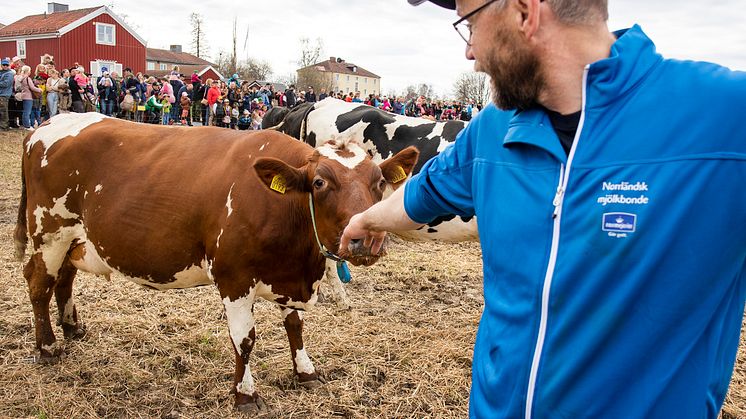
(244, 121)
(6, 91)
(607, 182)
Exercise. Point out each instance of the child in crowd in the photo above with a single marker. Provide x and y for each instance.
(234, 116)
(244, 122)
(166, 109)
(256, 120)
(226, 121)
(186, 104)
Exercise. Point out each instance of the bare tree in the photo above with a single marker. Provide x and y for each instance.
(223, 63)
(472, 86)
(254, 69)
(310, 54)
(288, 79)
(410, 92)
(308, 74)
(426, 90)
(199, 43)
(234, 57)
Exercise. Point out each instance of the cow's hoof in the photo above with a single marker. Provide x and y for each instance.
(73, 331)
(312, 384)
(253, 408)
(50, 354)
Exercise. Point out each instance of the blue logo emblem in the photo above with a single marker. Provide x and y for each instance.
(619, 222)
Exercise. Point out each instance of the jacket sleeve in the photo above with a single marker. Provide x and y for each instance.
(443, 186)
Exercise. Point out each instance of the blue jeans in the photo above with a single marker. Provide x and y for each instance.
(53, 100)
(107, 106)
(26, 116)
(166, 117)
(35, 115)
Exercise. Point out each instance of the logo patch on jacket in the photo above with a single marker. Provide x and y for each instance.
(619, 222)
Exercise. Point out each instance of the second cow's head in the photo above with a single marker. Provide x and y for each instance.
(344, 181)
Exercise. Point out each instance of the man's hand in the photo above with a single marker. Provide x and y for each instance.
(358, 229)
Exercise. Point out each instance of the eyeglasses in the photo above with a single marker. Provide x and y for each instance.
(463, 27)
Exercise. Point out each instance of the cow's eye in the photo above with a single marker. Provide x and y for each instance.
(319, 183)
(382, 184)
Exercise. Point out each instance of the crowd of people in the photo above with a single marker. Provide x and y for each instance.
(29, 97)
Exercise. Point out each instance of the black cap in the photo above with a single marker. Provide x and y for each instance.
(448, 4)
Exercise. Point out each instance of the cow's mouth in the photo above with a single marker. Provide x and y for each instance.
(359, 255)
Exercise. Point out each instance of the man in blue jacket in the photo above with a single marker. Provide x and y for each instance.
(6, 89)
(611, 211)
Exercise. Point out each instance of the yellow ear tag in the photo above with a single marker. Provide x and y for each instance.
(399, 175)
(278, 184)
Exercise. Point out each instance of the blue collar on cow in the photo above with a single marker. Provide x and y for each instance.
(343, 271)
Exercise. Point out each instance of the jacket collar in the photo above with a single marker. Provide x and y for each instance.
(630, 59)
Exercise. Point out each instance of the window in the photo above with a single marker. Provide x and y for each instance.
(374, 81)
(163, 66)
(348, 78)
(337, 77)
(106, 34)
(151, 65)
(21, 48)
(365, 80)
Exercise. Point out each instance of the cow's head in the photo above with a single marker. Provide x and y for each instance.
(343, 182)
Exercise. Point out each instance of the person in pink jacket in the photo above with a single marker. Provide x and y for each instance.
(28, 89)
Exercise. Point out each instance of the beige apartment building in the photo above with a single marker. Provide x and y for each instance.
(336, 74)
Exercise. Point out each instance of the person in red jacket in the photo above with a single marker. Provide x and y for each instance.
(213, 94)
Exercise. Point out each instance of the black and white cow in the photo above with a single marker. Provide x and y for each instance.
(382, 134)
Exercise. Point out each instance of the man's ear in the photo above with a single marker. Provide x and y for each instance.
(397, 169)
(279, 176)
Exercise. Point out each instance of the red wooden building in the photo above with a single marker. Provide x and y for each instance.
(94, 37)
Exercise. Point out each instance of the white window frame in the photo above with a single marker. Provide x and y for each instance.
(163, 66)
(21, 48)
(100, 41)
(151, 65)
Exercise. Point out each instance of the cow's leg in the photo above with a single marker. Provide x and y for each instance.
(63, 293)
(302, 365)
(41, 285)
(338, 291)
(241, 326)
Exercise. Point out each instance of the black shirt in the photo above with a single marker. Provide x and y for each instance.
(565, 127)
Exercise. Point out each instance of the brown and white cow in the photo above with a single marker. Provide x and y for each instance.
(172, 207)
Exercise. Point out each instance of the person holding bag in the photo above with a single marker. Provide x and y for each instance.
(29, 92)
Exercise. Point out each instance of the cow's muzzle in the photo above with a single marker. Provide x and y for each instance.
(358, 254)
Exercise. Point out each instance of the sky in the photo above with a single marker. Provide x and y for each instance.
(404, 45)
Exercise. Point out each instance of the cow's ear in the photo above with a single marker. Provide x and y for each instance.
(396, 169)
(279, 176)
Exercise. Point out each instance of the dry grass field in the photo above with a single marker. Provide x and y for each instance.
(402, 351)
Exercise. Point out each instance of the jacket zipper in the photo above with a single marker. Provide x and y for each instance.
(557, 216)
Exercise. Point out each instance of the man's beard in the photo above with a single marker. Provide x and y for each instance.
(516, 81)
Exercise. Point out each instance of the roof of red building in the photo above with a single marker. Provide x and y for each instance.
(45, 23)
(166, 56)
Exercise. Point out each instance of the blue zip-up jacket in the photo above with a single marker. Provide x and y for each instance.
(614, 279)
(6, 83)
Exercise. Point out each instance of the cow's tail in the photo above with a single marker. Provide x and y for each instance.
(20, 235)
